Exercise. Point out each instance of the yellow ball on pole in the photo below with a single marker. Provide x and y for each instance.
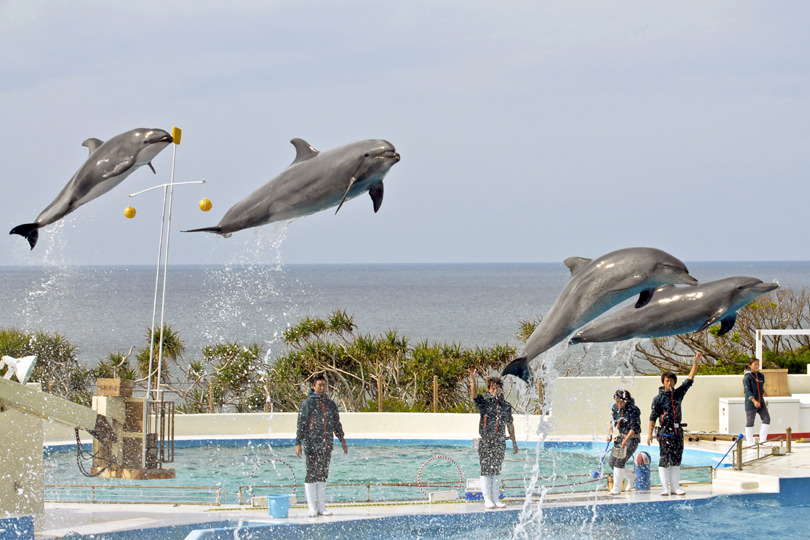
(129, 212)
(205, 205)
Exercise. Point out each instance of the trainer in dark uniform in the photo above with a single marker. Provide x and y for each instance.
(626, 418)
(754, 386)
(318, 424)
(495, 422)
(666, 409)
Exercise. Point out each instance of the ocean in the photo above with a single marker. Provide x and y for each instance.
(105, 309)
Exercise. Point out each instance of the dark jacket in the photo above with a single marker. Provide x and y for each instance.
(318, 423)
(754, 386)
(496, 413)
(627, 418)
(666, 408)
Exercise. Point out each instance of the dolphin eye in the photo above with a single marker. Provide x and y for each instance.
(365, 155)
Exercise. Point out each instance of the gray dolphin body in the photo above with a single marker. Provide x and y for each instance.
(596, 285)
(678, 310)
(313, 182)
(109, 164)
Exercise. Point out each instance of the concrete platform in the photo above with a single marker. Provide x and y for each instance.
(768, 475)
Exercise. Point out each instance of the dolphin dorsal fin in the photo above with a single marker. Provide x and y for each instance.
(303, 150)
(92, 143)
(575, 264)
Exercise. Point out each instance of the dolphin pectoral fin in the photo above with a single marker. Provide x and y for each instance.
(519, 367)
(575, 264)
(92, 144)
(376, 193)
(644, 297)
(348, 189)
(727, 324)
(28, 230)
(711, 321)
(152, 167)
(303, 150)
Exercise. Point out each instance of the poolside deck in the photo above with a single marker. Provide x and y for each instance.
(63, 519)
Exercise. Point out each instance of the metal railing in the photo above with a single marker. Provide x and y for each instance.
(786, 439)
(126, 494)
(342, 493)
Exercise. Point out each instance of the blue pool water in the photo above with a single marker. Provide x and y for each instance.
(737, 516)
(370, 465)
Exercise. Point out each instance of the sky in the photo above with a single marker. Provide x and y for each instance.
(530, 131)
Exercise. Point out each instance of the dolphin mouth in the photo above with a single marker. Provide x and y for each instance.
(389, 154)
(166, 138)
(766, 287)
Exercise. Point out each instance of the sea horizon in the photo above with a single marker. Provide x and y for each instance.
(103, 309)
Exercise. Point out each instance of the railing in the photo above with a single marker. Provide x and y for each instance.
(78, 493)
(392, 492)
(787, 439)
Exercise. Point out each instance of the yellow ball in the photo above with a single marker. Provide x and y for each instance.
(129, 212)
(205, 205)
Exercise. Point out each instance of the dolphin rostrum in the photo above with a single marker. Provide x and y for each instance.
(109, 164)
(313, 182)
(596, 285)
(678, 310)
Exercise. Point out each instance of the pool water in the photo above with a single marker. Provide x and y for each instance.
(734, 516)
(227, 465)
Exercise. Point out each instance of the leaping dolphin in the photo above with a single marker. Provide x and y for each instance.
(596, 285)
(108, 165)
(313, 182)
(678, 310)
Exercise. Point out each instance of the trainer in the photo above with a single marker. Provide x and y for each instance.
(318, 424)
(666, 408)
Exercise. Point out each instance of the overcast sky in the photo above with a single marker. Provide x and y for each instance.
(529, 131)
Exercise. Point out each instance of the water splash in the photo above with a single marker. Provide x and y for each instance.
(612, 360)
(250, 287)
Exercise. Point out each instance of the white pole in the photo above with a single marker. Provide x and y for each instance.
(154, 301)
(165, 270)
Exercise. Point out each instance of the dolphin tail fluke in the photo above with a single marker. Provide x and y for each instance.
(519, 367)
(29, 230)
(217, 230)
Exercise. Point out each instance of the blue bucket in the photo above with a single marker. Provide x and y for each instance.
(278, 505)
(642, 471)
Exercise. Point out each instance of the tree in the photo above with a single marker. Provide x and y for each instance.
(173, 349)
(358, 365)
(57, 366)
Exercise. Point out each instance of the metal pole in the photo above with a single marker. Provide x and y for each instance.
(435, 393)
(539, 396)
(210, 396)
(738, 454)
(166, 268)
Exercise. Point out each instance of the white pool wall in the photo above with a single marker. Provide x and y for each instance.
(579, 409)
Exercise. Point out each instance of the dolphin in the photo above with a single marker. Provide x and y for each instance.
(596, 285)
(108, 165)
(678, 310)
(313, 182)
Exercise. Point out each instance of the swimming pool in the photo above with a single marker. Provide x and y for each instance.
(223, 468)
(730, 516)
